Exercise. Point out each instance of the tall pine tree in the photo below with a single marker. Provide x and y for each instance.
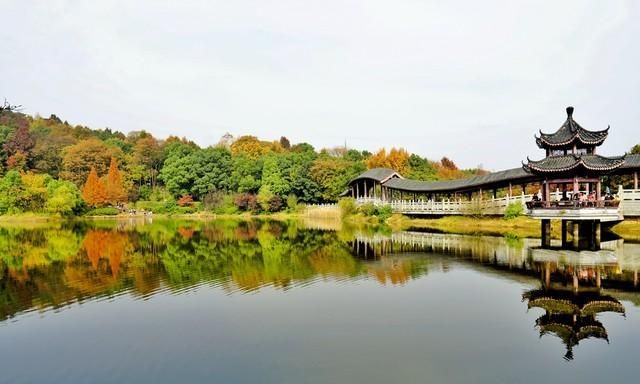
(93, 192)
(113, 184)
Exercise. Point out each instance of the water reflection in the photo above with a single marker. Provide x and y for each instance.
(570, 315)
(571, 282)
(47, 267)
(52, 267)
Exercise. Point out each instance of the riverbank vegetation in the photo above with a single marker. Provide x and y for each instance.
(52, 167)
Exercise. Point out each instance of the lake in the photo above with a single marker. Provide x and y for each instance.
(271, 302)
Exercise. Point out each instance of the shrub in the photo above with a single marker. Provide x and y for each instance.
(292, 202)
(144, 192)
(381, 212)
(213, 201)
(513, 210)
(105, 211)
(368, 209)
(347, 206)
(384, 212)
(185, 201)
(246, 202)
(275, 204)
(264, 198)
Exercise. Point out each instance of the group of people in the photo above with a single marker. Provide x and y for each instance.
(580, 198)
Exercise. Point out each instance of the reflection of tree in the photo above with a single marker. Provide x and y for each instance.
(396, 270)
(53, 267)
(110, 245)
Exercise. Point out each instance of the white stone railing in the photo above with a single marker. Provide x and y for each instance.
(629, 201)
(629, 204)
(450, 206)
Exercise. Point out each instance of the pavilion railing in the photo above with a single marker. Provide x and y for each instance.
(495, 206)
(629, 201)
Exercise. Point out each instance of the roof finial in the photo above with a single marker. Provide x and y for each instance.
(569, 112)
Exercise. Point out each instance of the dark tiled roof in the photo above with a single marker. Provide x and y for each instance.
(459, 184)
(631, 161)
(569, 162)
(570, 132)
(378, 174)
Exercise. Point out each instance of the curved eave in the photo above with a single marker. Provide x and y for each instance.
(580, 161)
(543, 142)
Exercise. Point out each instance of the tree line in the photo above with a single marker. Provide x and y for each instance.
(49, 165)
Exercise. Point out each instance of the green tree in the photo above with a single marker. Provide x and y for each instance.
(246, 174)
(264, 198)
(11, 189)
(212, 170)
(63, 197)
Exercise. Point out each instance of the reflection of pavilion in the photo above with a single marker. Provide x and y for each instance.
(571, 316)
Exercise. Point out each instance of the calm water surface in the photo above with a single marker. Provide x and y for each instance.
(264, 302)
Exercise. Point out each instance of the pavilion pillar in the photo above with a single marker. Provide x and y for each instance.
(597, 232)
(598, 279)
(480, 194)
(357, 190)
(635, 180)
(495, 193)
(564, 233)
(546, 233)
(524, 189)
(546, 191)
(510, 190)
(598, 189)
(365, 188)
(575, 185)
(576, 234)
(547, 274)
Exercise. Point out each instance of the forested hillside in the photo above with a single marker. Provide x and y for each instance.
(49, 165)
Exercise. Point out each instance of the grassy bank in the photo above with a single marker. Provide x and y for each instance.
(628, 229)
(520, 226)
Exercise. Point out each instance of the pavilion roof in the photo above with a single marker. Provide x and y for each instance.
(631, 161)
(554, 164)
(514, 174)
(571, 132)
(565, 302)
(378, 174)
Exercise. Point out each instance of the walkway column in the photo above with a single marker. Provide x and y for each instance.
(510, 190)
(547, 275)
(576, 234)
(365, 188)
(635, 180)
(357, 189)
(564, 233)
(597, 232)
(546, 191)
(575, 185)
(546, 233)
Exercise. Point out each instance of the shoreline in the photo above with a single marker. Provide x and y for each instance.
(464, 225)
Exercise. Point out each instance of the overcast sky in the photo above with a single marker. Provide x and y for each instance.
(473, 80)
